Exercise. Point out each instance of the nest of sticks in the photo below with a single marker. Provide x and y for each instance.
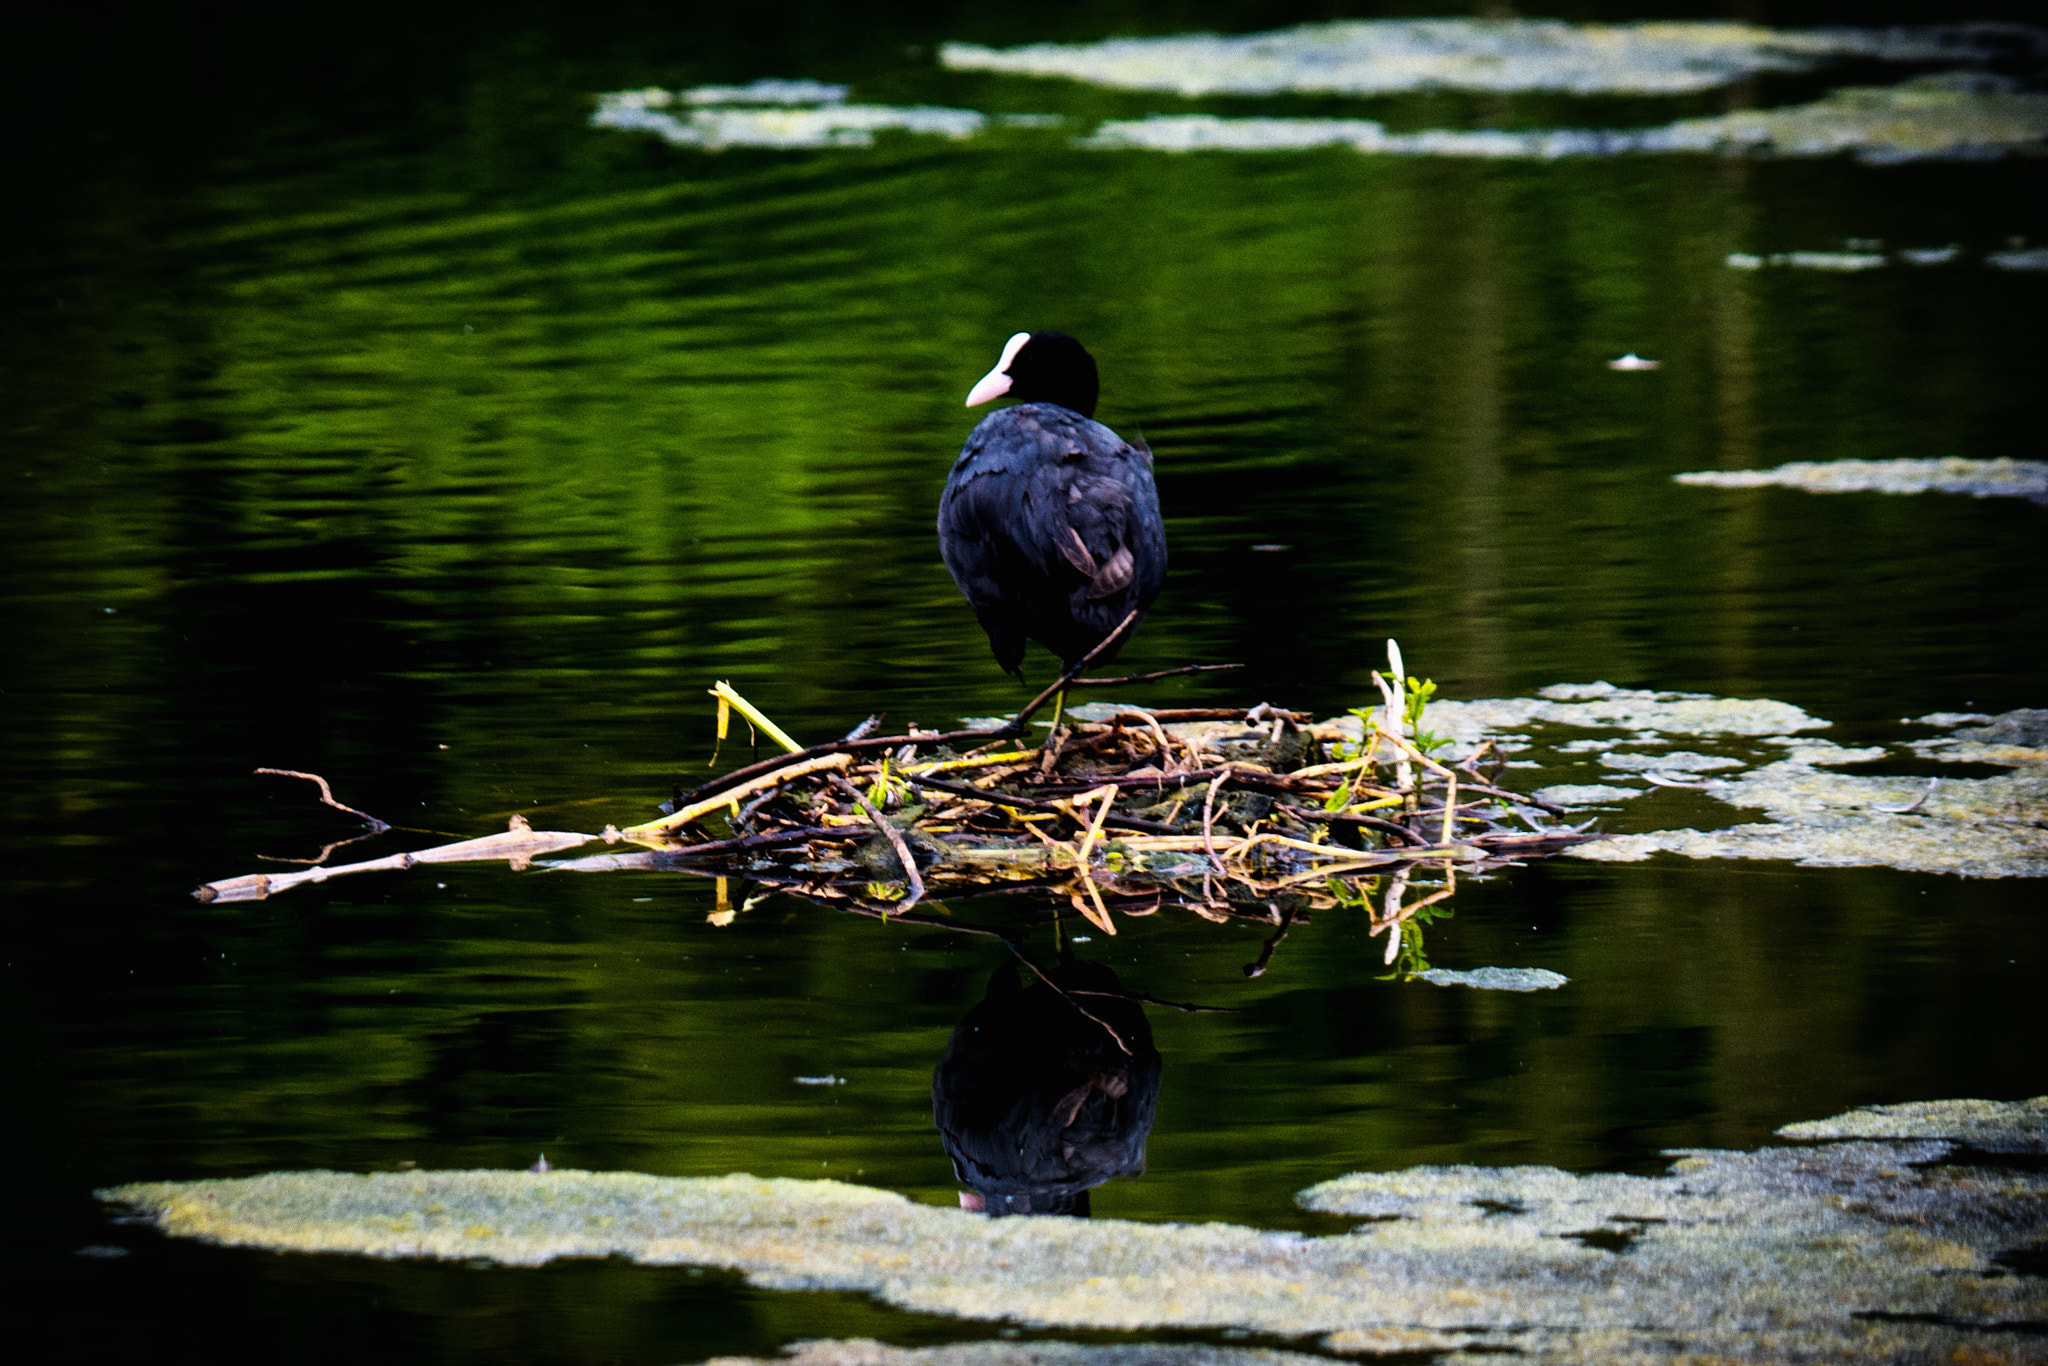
(1228, 813)
(1250, 813)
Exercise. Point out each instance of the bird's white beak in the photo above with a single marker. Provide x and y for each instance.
(996, 383)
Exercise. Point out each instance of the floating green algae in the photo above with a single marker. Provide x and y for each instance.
(2000, 478)
(1992, 1125)
(1930, 118)
(1978, 827)
(1969, 827)
(1852, 1249)
(1494, 979)
(1604, 706)
(868, 1352)
(2019, 738)
(1380, 56)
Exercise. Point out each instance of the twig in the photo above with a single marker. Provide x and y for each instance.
(1147, 678)
(766, 841)
(779, 772)
(892, 834)
(326, 850)
(1158, 735)
(1066, 680)
(1397, 888)
(1182, 1006)
(1917, 803)
(1354, 818)
(994, 798)
(1102, 921)
(1209, 821)
(1273, 942)
(1067, 996)
(377, 827)
(741, 776)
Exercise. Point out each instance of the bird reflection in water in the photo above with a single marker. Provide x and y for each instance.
(1036, 1102)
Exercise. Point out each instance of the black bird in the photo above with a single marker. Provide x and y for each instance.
(1036, 1103)
(1049, 522)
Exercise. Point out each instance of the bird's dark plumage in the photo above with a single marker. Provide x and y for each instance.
(1050, 522)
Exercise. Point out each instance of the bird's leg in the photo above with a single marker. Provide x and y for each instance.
(1059, 704)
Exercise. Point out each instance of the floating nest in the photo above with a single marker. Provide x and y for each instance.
(1229, 813)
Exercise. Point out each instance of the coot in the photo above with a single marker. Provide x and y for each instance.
(1049, 522)
(1036, 1103)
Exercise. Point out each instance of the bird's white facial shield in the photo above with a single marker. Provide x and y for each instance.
(996, 383)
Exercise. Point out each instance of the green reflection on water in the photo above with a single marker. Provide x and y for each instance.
(453, 453)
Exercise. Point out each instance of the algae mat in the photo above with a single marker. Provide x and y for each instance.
(1857, 1249)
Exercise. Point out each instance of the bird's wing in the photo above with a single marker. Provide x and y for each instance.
(1087, 496)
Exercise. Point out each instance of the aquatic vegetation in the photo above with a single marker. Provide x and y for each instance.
(1999, 478)
(1377, 57)
(1864, 1248)
(1924, 119)
(1038, 1352)
(2017, 737)
(1310, 821)
(1972, 827)
(2034, 258)
(1494, 979)
(1644, 712)
(785, 114)
(1991, 1126)
(1847, 261)
(1980, 827)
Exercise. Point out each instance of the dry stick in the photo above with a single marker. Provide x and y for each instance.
(1067, 996)
(1065, 680)
(1108, 793)
(326, 850)
(1182, 1006)
(892, 834)
(742, 775)
(1055, 744)
(1353, 818)
(766, 841)
(777, 772)
(994, 798)
(1209, 822)
(1273, 942)
(747, 811)
(377, 827)
(1158, 734)
(1243, 776)
(1396, 889)
(1147, 678)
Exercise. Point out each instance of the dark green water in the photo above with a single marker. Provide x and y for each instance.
(402, 428)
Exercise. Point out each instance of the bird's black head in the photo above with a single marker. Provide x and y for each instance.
(1042, 367)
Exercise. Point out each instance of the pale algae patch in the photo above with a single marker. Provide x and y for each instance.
(1979, 827)
(1970, 827)
(868, 1352)
(1601, 706)
(1494, 979)
(783, 114)
(1999, 478)
(1860, 1250)
(1928, 118)
(1993, 1126)
(1675, 761)
(1585, 794)
(1385, 56)
(2018, 737)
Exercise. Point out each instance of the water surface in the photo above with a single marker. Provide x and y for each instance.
(450, 447)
